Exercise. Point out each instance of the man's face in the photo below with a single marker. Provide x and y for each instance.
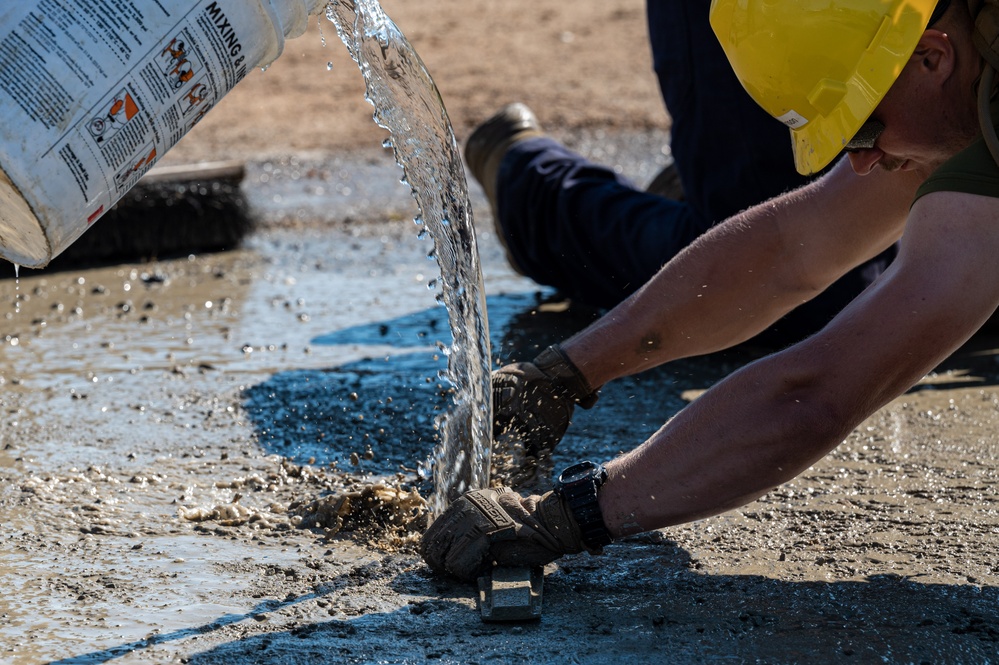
(927, 120)
(916, 135)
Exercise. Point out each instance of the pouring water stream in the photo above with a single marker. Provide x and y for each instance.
(408, 104)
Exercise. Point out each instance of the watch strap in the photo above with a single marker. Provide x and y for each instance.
(578, 485)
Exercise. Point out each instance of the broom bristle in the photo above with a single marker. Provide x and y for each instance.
(172, 211)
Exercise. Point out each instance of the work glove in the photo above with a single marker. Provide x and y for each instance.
(533, 401)
(483, 528)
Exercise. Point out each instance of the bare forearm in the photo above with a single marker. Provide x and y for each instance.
(698, 303)
(746, 273)
(736, 442)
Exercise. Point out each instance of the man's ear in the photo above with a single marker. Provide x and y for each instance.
(935, 54)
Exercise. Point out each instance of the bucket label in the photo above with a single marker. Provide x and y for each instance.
(94, 93)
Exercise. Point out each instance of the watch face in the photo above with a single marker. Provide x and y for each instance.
(578, 472)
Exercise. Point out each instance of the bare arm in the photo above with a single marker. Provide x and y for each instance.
(768, 422)
(747, 272)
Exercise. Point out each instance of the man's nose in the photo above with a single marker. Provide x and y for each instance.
(864, 161)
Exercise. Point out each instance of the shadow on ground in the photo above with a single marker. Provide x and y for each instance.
(642, 602)
(388, 403)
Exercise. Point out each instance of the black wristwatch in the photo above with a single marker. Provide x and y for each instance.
(578, 485)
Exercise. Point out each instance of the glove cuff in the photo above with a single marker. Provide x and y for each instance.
(555, 364)
(554, 513)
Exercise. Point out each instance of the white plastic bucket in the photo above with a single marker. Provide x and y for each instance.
(93, 93)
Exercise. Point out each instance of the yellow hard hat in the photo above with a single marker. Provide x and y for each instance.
(819, 66)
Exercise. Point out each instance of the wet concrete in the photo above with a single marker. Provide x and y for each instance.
(132, 394)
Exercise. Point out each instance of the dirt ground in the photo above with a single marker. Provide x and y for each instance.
(578, 65)
(161, 422)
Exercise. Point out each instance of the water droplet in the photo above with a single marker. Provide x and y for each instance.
(17, 288)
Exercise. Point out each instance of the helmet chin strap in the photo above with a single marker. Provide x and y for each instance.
(985, 111)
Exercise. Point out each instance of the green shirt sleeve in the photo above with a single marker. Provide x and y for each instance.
(971, 171)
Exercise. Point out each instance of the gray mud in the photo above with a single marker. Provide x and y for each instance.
(251, 381)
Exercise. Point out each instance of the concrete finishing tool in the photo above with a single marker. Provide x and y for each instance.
(511, 594)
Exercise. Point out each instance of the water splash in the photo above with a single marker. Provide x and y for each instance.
(408, 104)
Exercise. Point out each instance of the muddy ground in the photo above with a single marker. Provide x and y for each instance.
(158, 419)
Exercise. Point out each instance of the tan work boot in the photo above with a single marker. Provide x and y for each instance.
(485, 148)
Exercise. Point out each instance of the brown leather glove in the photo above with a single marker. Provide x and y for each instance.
(499, 527)
(534, 401)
